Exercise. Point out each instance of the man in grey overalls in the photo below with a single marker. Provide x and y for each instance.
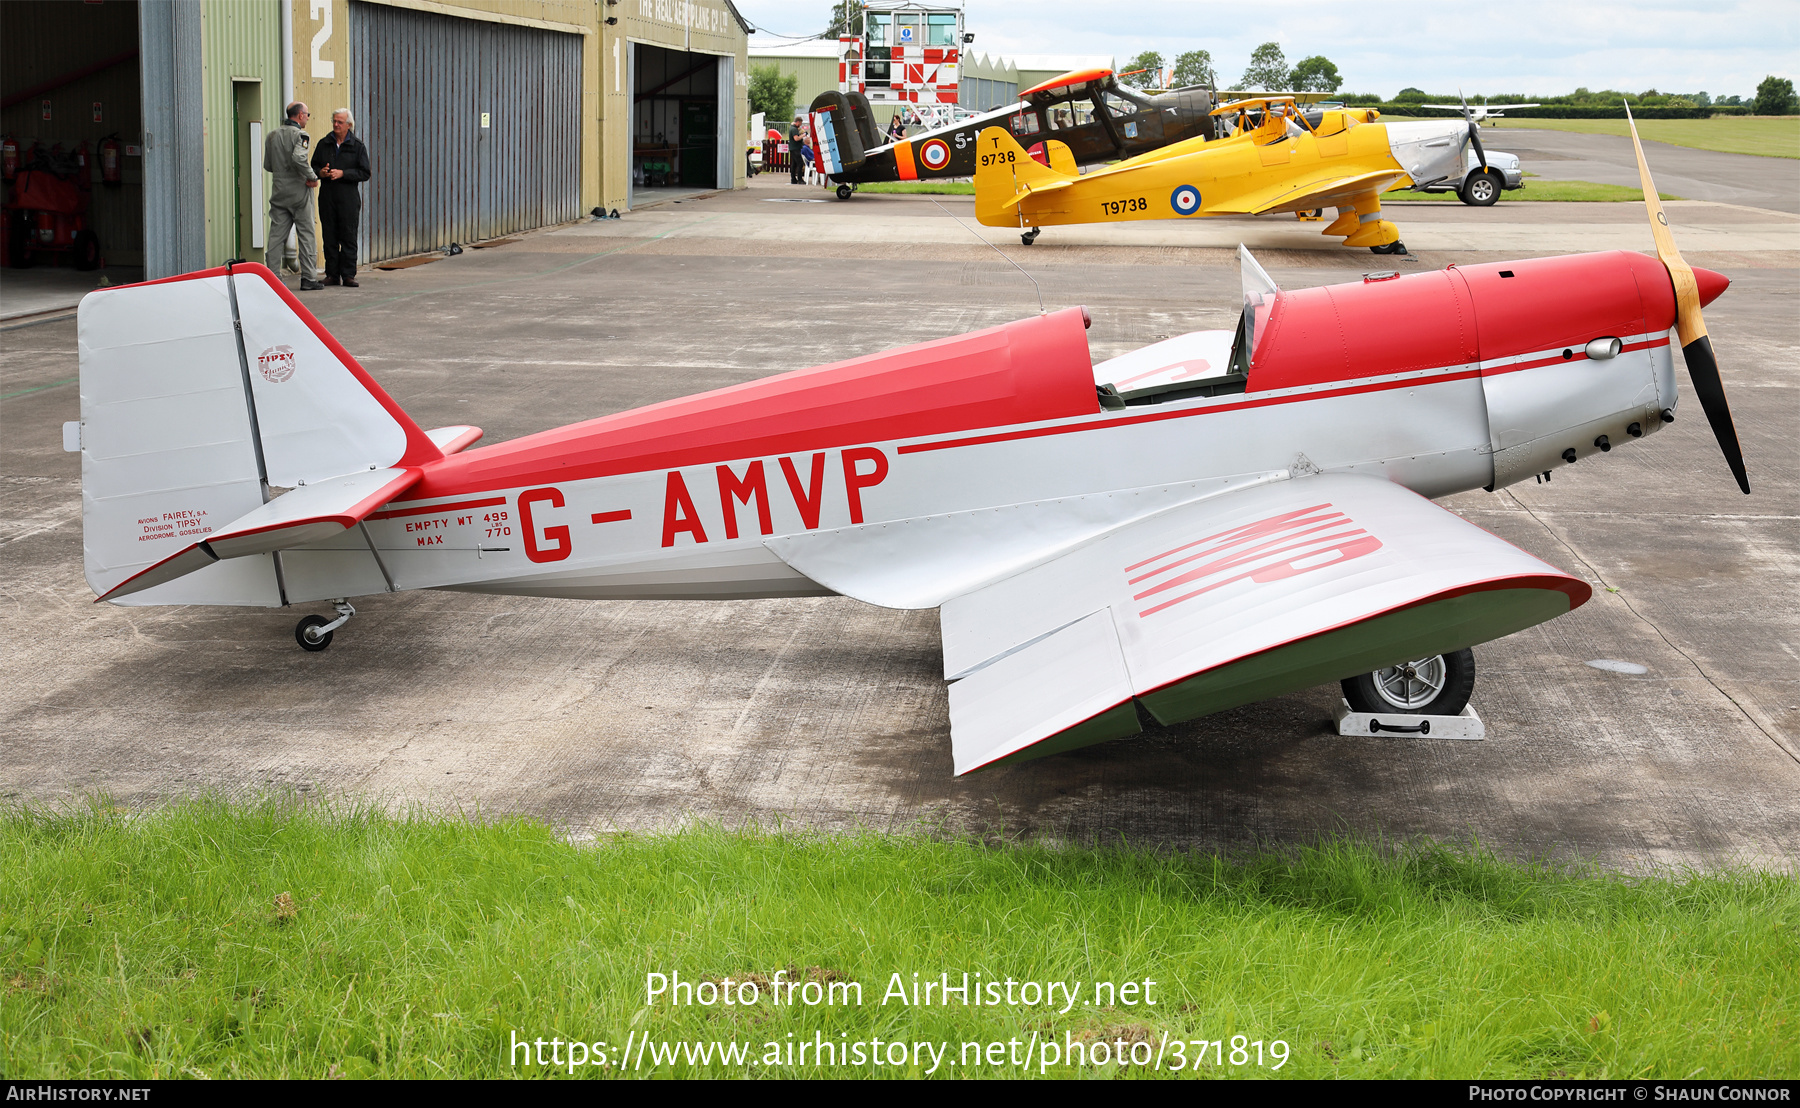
(285, 155)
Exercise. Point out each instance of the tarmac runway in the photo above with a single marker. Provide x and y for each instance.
(830, 714)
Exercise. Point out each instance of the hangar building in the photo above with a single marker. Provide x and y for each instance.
(483, 117)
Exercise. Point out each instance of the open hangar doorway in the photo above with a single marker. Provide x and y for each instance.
(72, 81)
(684, 141)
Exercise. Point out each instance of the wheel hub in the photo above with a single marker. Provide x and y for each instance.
(1412, 685)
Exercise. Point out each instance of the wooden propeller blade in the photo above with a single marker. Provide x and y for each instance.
(1690, 327)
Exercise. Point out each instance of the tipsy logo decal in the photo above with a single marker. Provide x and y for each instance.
(1268, 550)
(276, 364)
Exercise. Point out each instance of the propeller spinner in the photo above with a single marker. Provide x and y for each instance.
(1690, 328)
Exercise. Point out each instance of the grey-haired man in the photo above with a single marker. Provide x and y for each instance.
(342, 163)
(291, 206)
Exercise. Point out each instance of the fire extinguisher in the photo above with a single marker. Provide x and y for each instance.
(9, 156)
(109, 159)
(84, 177)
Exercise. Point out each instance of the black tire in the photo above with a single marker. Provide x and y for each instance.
(1030, 236)
(844, 192)
(87, 250)
(1395, 247)
(307, 624)
(1482, 189)
(1366, 692)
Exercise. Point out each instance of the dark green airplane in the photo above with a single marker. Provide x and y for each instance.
(1098, 119)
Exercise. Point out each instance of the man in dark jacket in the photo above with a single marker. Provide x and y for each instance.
(342, 163)
(796, 162)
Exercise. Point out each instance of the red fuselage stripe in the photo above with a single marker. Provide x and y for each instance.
(1070, 428)
(433, 509)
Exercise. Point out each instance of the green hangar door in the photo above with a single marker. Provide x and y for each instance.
(682, 141)
(473, 128)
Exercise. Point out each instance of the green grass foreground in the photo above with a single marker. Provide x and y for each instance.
(1767, 135)
(1540, 189)
(273, 941)
(916, 188)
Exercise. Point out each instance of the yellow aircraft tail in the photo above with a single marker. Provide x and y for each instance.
(1006, 176)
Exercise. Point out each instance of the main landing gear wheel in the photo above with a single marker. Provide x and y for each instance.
(1030, 236)
(308, 635)
(844, 191)
(1436, 686)
(1395, 247)
(1481, 189)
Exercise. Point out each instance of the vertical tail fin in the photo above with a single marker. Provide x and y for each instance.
(200, 396)
(1005, 176)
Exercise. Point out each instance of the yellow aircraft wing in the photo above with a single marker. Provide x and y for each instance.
(1322, 189)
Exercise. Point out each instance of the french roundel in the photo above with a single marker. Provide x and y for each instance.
(1185, 200)
(935, 154)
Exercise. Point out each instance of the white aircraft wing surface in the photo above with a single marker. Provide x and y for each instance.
(1223, 601)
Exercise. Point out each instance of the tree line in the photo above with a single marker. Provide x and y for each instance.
(1268, 70)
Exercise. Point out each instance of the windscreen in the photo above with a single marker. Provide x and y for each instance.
(1260, 291)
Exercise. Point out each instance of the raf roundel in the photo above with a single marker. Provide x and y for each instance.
(1185, 200)
(935, 154)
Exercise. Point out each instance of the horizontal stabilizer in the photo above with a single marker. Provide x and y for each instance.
(1035, 190)
(310, 514)
(454, 440)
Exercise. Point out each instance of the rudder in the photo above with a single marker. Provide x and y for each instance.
(201, 397)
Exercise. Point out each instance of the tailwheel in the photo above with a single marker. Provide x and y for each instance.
(1030, 236)
(314, 632)
(1436, 686)
(308, 634)
(844, 191)
(1395, 247)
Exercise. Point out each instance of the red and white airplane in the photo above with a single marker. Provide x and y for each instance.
(1208, 521)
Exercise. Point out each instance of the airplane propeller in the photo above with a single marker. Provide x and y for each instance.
(1474, 130)
(1690, 328)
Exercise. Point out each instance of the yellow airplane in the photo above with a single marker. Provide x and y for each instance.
(1275, 162)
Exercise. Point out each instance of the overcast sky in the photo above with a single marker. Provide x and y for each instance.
(1535, 47)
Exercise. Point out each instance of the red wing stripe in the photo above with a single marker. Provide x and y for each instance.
(433, 509)
(1249, 530)
(1346, 550)
(1270, 548)
(1282, 527)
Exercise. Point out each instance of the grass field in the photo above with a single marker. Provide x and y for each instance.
(939, 188)
(1769, 136)
(218, 941)
(1539, 189)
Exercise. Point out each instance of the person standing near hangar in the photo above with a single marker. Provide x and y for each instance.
(342, 163)
(290, 206)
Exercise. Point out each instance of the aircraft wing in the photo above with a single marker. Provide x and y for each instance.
(1321, 190)
(1222, 601)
